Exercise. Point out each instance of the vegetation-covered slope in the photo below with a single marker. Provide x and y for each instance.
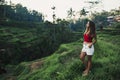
(65, 64)
(22, 44)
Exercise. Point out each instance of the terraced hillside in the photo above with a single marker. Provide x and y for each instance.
(65, 64)
(25, 44)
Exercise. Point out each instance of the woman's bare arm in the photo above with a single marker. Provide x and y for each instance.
(94, 40)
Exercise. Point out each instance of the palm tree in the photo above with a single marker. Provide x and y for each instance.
(93, 5)
(2, 2)
(71, 13)
(2, 9)
(54, 16)
(83, 12)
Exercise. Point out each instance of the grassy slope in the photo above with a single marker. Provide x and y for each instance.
(13, 35)
(65, 64)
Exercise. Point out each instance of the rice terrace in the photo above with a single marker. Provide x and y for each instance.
(44, 40)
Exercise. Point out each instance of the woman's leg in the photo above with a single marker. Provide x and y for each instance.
(82, 57)
(89, 64)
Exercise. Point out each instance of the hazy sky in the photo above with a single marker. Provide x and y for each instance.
(62, 6)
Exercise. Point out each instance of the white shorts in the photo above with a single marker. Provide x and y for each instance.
(89, 51)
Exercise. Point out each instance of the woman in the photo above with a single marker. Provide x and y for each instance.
(88, 46)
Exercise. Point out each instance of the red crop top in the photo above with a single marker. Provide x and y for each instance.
(87, 38)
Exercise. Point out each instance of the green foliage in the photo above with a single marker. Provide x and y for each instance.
(105, 64)
(64, 64)
(19, 13)
(31, 43)
(100, 19)
(117, 25)
(19, 24)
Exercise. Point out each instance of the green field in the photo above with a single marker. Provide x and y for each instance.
(64, 63)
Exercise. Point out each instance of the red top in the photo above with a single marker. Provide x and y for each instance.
(87, 38)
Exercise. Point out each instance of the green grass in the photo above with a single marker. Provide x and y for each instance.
(65, 64)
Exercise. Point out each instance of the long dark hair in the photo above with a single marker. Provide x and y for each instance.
(91, 28)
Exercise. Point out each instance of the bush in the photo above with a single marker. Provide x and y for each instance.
(117, 25)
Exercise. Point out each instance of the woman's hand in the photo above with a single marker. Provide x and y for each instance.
(90, 45)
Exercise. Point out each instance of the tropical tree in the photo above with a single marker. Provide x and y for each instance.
(2, 9)
(101, 19)
(83, 13)
(54, 15)
(93, 6)
(2, 2)
(71, 13)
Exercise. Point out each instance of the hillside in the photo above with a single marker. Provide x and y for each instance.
(65, 64)
(28, 44)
